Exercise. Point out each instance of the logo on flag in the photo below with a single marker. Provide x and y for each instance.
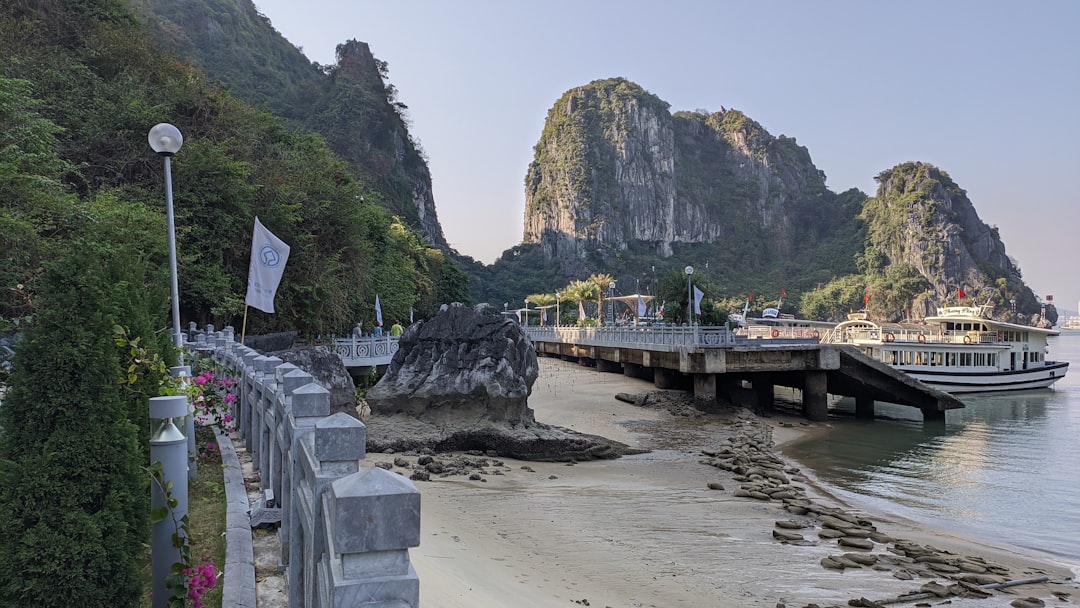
(269, 254)
(698, 294)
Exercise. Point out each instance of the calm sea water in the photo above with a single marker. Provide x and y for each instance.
(1006, 468)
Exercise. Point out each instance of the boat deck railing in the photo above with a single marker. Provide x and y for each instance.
(923, 336)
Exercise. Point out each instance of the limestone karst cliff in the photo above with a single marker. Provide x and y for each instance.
(617, 178)
(351, 104)
(921, 218)
(614, 167)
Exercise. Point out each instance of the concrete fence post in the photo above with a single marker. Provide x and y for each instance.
(374, 520)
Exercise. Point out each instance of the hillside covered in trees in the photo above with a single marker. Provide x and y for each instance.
(80, 87)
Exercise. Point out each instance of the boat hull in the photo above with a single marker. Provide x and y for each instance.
(954, 381)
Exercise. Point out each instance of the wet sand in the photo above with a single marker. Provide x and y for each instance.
(645, 530)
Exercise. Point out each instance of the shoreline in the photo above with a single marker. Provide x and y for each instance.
(645, 530)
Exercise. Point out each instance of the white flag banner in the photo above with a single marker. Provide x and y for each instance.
(268, 257)
(378, 310)
(698, 294)
(543, 316)
(640, 306)
(581, 310)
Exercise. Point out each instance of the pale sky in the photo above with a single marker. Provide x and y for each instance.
(987, 90)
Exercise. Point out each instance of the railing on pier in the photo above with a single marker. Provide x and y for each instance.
(365, 352)
(647, 338)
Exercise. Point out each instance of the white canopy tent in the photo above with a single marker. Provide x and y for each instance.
(634, 302)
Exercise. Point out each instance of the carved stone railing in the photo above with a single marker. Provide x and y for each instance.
(668, 338)
(345, 531)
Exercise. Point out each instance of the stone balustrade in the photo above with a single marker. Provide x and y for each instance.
(345, 530)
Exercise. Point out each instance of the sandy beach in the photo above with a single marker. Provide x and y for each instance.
(646, 530)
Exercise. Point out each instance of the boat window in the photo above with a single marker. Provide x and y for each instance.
(935, 358)
(950, 359)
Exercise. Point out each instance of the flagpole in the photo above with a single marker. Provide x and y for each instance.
(243, 328)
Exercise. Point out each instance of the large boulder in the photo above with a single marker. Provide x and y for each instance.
(465, 365)
(268, 343)
(461, 381)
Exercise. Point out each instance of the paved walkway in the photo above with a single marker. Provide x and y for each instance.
(245, 586)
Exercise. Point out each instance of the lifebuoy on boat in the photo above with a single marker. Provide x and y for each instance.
(815, 334)
(922, 339)
(775, 332)
(889, 337)
(967, 339)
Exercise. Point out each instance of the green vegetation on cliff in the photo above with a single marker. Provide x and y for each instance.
(84, 81)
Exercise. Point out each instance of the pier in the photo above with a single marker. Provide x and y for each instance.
(711, 361)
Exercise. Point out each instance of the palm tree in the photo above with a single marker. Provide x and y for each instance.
(602, 282)
(580, 292)
(541, 300)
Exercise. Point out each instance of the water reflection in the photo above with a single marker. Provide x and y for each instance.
(1002, 468)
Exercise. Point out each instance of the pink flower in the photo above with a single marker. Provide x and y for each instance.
(227, 418)
(211, 446)
(229, 397)
(200, 380)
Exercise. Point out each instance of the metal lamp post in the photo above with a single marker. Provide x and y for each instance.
(558, 305)
(689, 270)
(166, 140)
(611, 302)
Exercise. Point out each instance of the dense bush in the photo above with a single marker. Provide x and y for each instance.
(73, 497)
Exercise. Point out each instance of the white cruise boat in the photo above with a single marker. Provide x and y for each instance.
(958, 350)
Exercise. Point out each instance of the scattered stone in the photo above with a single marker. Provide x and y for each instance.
(1027, 602)
(420, 476)
(401, 462)
(904, 575)
(790, 524)
(936, 588)
(384, 465)
(862, 558)
(857, 543)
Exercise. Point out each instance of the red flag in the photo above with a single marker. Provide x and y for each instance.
(866, 298)
(751, 298)
(960, 292)
(783, 294)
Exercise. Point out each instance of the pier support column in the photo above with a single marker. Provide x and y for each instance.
(665, 378)
(864, 407)
(633, 370)
(815, 397)
(602, 365)
(930, 413)
(763, 394)
(705, 387)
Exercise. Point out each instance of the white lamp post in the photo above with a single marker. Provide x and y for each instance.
(166, 140)
(558, 305)
(689, 270)
(611, 302)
